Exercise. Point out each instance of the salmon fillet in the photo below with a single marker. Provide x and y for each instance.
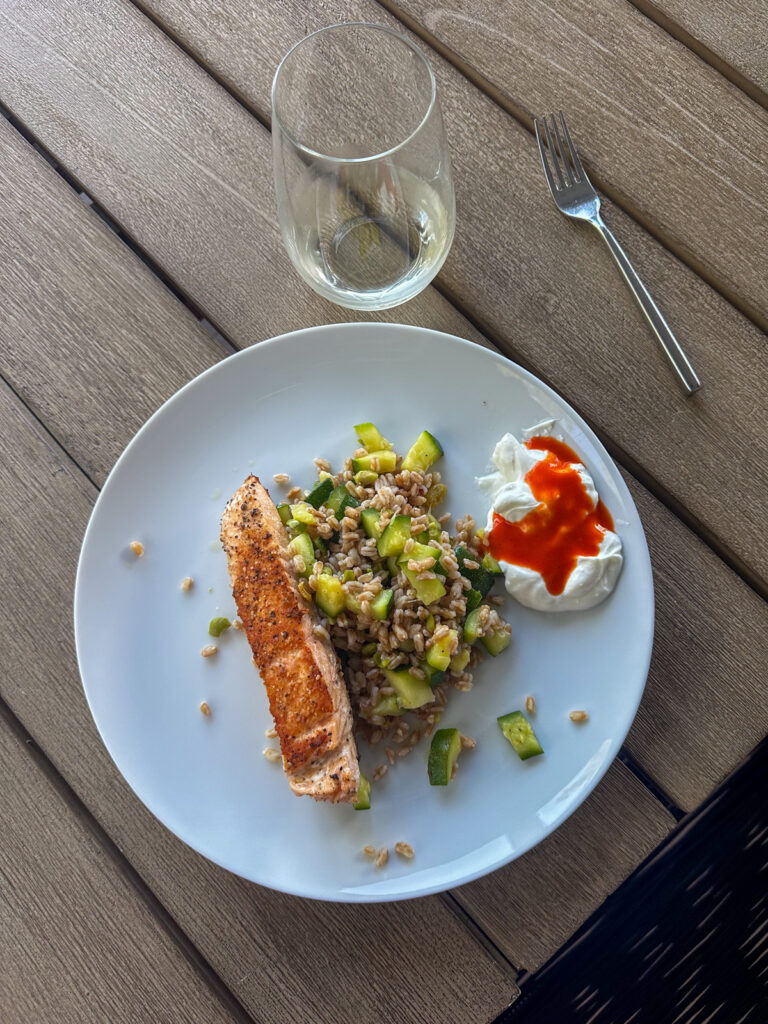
(301, 672)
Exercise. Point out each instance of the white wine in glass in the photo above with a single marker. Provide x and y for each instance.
(362, 172)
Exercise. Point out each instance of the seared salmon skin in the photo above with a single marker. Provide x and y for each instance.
(300, 671)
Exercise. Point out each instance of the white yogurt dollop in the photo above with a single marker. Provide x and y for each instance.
(592, 579)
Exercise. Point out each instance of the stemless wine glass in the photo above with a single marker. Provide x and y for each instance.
(363, 177)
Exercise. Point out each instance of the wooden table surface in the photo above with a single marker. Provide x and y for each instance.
(139, 245)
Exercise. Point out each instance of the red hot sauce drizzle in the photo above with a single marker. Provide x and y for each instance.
(563, 526)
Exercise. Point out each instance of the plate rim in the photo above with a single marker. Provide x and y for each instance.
(615, 743)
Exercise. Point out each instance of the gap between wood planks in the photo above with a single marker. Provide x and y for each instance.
(525, 118)
(671, 27)
(121, 864)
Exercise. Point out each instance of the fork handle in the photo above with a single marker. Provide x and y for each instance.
(669, 343)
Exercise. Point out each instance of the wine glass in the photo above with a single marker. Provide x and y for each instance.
(362, 172)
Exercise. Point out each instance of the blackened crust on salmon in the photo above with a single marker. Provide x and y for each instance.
(301, 672)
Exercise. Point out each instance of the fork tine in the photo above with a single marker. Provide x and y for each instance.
(580, 175)
(563, 154)
(553, 152)
(543, 155)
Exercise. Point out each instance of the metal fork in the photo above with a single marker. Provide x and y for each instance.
(575, 196)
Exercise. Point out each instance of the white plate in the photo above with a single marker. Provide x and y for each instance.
(270, 409)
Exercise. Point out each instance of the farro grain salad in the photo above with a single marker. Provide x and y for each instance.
(383, 589)
(397, 594)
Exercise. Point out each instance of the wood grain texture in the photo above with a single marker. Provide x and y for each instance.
(501, 899)
(268, 948)
(704, 707)
(263, 944)
(94, 406)
(732, 36)
(675, 142)
(249, 934)
(701, 713)
(77, 942)
(155, 138)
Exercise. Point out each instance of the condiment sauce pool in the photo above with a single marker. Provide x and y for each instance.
(552, 536)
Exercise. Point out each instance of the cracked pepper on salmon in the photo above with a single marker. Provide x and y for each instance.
(300, 671)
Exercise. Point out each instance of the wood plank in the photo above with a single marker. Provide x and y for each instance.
(268, 948)
(703, 710)
(154, 137)
(501, 899)
(731, 36)
(667, 136)
(77, 941)
(248, 934)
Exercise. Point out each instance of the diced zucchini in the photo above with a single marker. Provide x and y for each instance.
(392, 541)
(427, 591)
(388, 707)
(490, 564)
(425, 450)
(418, 553)
(406, 645)
(218, 625)
(429, 622)
(411, 691)
(347, 576)
(439, 652)
(317, 495)
(436, 495)
(371, 438)
(435, 676)
(520, 734)
(293, 526)
(480, 578)
(392, 566)
(380, 659)
(370, 517)
(301, 511)
(321, 548)
(365, 477)
(352, 603)
(472, 627)
(474, 600)
(496, 642)
(379, 462)
(339, 499)
(460, 661)
(443, 755)
(329, 595)
(368, 649)
(302, 545)
(363, 798)
(381, 604)
(284, 511)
